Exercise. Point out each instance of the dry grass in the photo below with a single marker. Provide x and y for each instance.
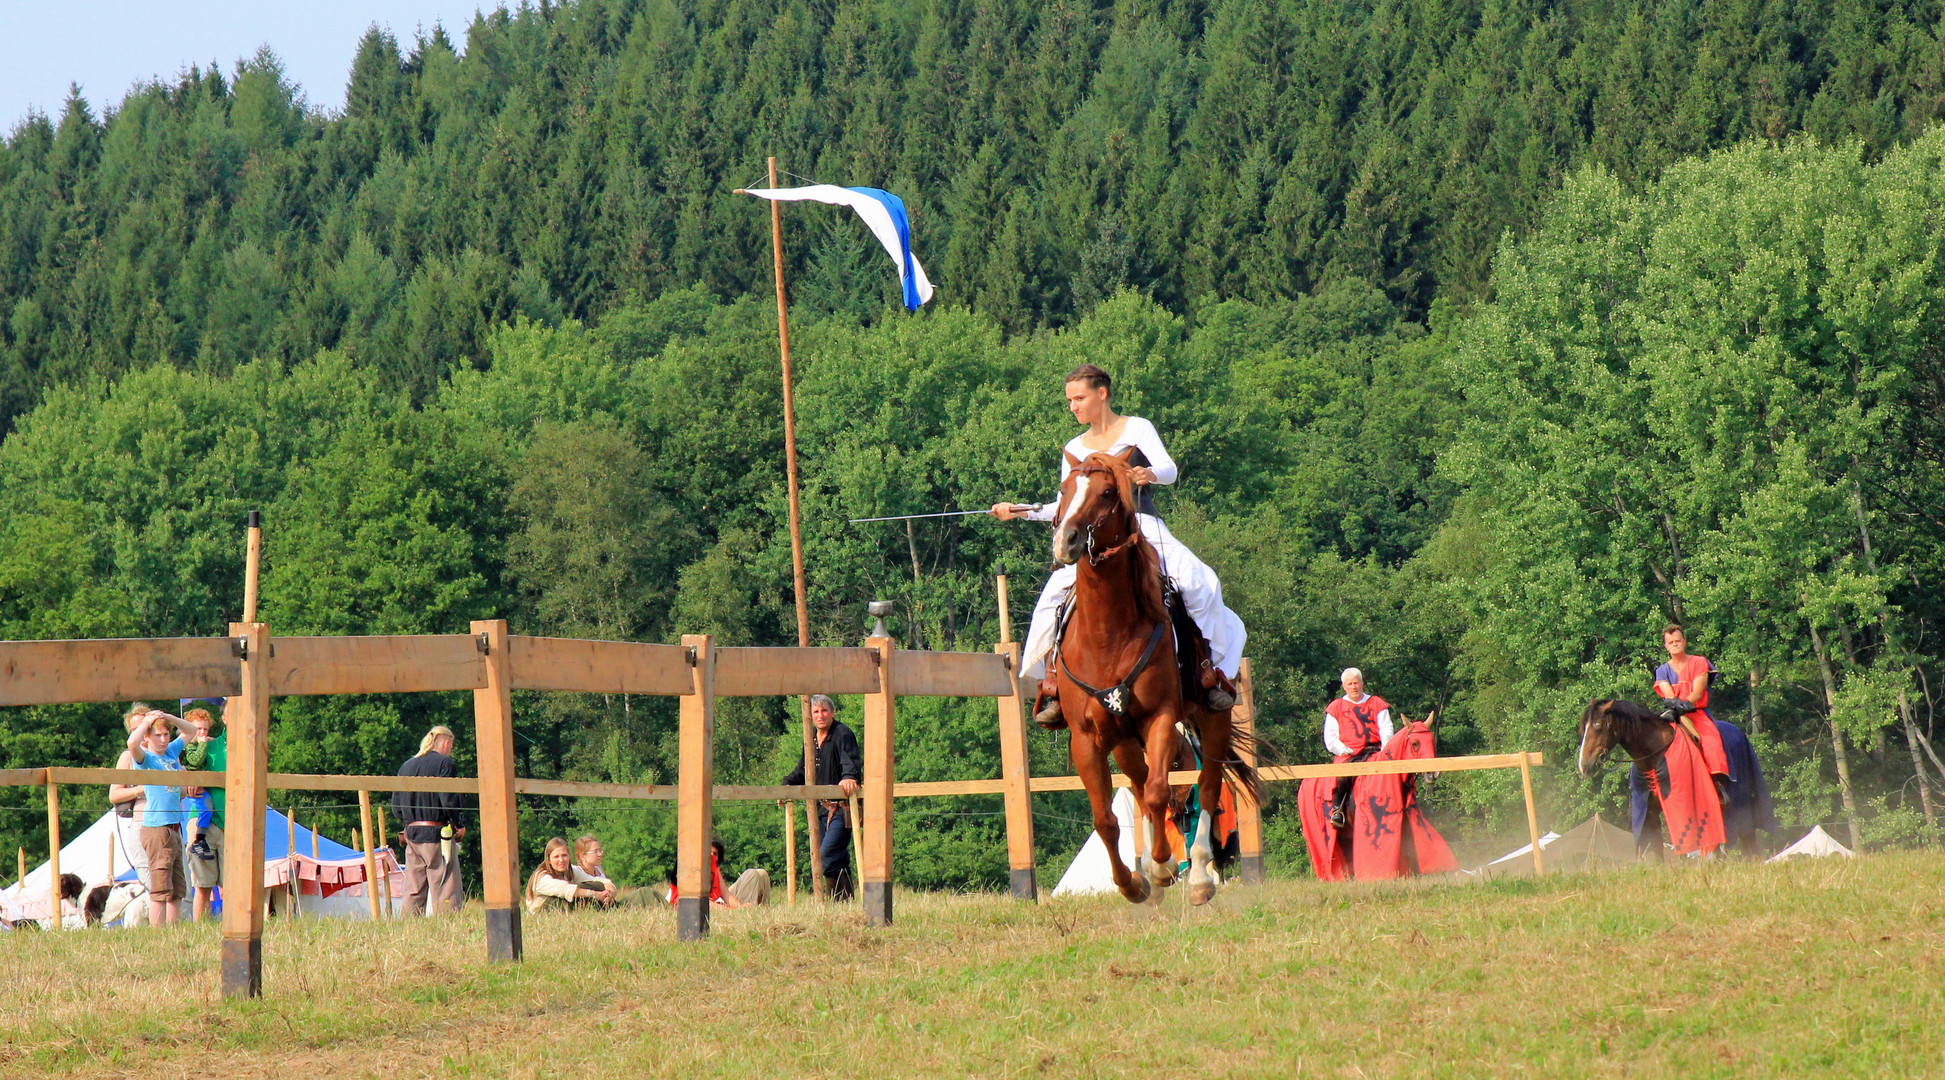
(1733, 970)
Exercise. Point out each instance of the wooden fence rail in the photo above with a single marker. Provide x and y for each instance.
(251, 667)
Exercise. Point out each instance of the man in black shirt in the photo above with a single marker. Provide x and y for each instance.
(840, 762)
(433, 823)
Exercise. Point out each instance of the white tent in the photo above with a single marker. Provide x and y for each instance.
(87, 856)
(1591, 845)
(1815, 844)
(1089, 872)
(1524, 851)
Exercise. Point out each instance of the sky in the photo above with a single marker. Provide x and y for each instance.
(109, 45)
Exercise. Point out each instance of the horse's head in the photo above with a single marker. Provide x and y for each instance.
(1097, 506)
(1599, 734)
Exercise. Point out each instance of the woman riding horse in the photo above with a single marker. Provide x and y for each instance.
(1089, 398)
(1118, 682)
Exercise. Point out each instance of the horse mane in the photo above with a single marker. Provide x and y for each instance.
(1629, 711)
(1148, 561)
(1624, 714)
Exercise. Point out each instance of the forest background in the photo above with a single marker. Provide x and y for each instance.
(1490, 337)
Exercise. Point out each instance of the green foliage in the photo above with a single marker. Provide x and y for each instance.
(571, 155)
(1488, 338)
(1693, 403)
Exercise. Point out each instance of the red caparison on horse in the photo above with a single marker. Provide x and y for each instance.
(1121, 689)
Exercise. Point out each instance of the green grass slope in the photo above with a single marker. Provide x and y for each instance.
(1828, 968)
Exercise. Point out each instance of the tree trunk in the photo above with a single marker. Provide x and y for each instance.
(1755, 701)
(1837, 737)
(918, 605)
(1917, 760)
(1850, 657)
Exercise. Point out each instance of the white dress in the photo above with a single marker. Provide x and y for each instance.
(1201, 589)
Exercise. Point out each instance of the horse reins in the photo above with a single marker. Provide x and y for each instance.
(1639, 763)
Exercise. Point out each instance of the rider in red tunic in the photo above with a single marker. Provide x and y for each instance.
(1684, 682)
(1356, 726)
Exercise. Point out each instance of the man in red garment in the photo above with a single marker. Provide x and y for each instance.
(1356, 727)
(1684, 682)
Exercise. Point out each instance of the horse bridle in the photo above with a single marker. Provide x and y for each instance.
(1097, 557)
(1606, 718)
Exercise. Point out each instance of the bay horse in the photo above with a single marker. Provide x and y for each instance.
(1645, 736)
(1114, 660)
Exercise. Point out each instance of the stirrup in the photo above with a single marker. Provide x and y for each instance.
(1336, 817)
(1219, 699)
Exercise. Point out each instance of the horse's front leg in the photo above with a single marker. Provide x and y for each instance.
(1134, 765)
(1651, 844)
(1091, 765)
(1214, 731)
(1147, 764)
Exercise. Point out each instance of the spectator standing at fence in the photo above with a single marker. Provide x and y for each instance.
(128, 801)
(162, 820)
(209, 751)
(840, 762)
(431, 878)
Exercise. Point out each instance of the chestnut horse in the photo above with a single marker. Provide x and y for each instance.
(1120, 689)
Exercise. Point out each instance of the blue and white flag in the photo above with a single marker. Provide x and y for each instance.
(883, 214)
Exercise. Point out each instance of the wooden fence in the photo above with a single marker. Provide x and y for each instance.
(253, 667)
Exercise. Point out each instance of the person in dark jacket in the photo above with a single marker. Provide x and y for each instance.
(433, 824)
(840, 762)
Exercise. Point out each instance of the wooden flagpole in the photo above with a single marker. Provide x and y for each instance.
(253, 559)
(796, 523)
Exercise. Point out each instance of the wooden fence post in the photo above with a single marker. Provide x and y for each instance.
(385, 842)
(1016, 775)
(880, 711)
(1249, 818)
(371, 853)
(293, 889)
(53, 855)
(790, 853)
(857, 853)
(695, 786)
(499, 826)
(246, 780)
(1532, 819)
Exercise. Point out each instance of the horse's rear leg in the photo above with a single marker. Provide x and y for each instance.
(1214, 732)
(1092, 767)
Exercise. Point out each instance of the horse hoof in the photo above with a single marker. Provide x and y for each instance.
(1138, 893)
(1161, 875)
(1202, 893)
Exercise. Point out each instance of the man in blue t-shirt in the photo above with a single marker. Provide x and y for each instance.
(149, 744)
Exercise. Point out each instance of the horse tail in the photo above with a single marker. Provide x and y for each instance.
(1243, 775)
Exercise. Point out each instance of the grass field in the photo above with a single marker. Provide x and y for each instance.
(1825, 968)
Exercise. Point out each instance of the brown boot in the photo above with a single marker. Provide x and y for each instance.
(1046, 706)
(1219, 694)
